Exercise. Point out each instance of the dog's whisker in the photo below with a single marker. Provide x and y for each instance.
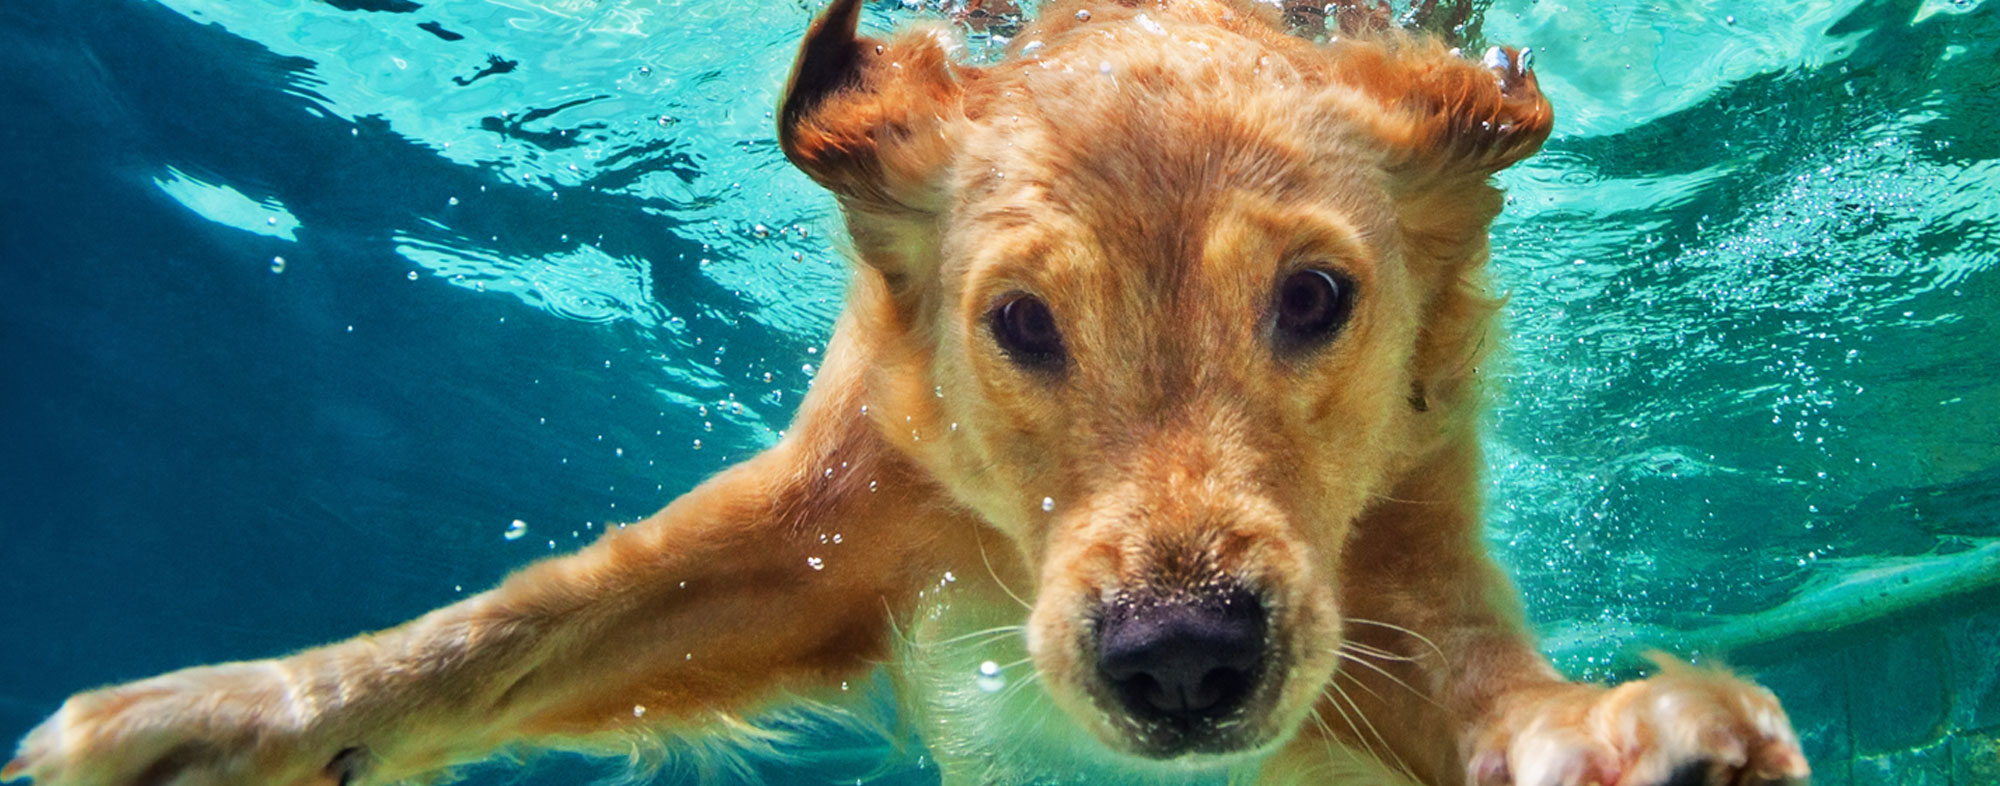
(973, 646)
(1366, 746)
(1331, 737)
(1039, 705)
(1009, 692)
(1380, 654)
(998, 629)
(896, 629)
(1401, 767)
(976, 639)
(1017, 664)
(1399, 500)
(988, 561)
(1358, 683)
(1400, 629)
(1346, 648)
(1391, 677)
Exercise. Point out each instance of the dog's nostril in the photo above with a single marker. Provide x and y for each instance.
(1182, 660)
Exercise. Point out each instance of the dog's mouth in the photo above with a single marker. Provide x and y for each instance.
(1186, 674)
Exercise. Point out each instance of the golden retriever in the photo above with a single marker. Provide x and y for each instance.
(1146, 451)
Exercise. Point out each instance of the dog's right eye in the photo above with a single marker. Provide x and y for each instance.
(1311, 306)
(1026, 331)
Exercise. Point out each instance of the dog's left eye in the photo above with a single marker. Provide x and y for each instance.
(1311, 306)
(1026, 329)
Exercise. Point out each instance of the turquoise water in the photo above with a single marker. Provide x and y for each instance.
(308, 301)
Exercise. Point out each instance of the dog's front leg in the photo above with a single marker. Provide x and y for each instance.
(1682, 727)
(1441, 665)
(776, 578)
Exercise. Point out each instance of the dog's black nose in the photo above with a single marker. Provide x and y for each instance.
(1185, 659)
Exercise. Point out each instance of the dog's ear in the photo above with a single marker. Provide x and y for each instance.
(1447, 123)
(871, 120)
(1445, 119)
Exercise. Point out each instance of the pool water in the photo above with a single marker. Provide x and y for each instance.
(305, 302)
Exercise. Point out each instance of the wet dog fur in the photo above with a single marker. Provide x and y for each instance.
(1163, 342)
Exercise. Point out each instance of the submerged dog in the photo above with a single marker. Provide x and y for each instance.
(1145, 452)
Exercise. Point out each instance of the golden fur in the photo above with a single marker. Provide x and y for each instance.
(1150, 170)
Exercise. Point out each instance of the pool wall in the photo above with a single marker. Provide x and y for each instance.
(1912, 700)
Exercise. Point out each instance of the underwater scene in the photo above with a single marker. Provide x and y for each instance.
(319, 314)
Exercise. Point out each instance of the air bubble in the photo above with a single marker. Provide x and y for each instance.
(1048, 504)
(277, 264)
(990, 679)
(1083, 16)
(515, 530)
(816, 563)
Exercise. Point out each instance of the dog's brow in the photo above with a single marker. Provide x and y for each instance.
(1007, 217)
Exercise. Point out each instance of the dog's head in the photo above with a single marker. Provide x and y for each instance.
(1168, 297)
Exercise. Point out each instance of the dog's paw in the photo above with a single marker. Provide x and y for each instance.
(1683, 727)
(212, 726)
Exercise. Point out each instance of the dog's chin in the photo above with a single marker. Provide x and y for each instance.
(1219, 742)
(1197, 748)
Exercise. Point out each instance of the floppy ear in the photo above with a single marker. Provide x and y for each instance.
(1446, 119)
(871, 120)
(1448, 124)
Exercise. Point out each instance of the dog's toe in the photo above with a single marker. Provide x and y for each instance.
(1694, 773)
(349, 766)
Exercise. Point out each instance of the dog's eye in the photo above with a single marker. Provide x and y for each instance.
(1312, 304)
(1027, 331)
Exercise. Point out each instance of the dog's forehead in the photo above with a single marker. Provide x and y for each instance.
(1138, 118)
(1155, 205)
(1168, 126)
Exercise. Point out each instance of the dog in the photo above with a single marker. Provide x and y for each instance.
(1145, 451)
